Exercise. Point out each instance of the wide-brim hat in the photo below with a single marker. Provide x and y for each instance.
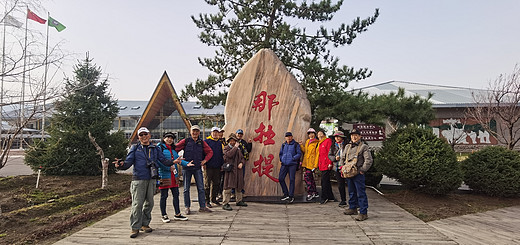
(232, 136)
(340, 134)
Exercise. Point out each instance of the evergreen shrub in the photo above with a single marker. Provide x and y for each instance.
(420, 161)
(494, 171)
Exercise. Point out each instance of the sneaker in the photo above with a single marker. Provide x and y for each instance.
(227, 207)
(209, 205)
(342, 204)
(233, 196)
(146, 228)
(216, 203)
(187, 211)
(205, 210)
(361, 217)
(309, 197)
(350, 211)
(323, 201)
(285, 198)
(134, 233)
(180, 217)
(315, 195)
(291, 199)
(242, 204)
(165, 219)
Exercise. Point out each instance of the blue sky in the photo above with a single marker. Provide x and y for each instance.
(463, 43)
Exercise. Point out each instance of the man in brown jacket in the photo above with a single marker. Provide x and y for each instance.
(234, 178)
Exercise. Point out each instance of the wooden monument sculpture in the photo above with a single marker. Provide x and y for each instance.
(265, 101)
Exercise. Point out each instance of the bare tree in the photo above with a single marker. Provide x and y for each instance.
(14, 70)
(498, 111)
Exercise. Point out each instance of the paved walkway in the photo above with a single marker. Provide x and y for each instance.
(261, 223)
(500, 226)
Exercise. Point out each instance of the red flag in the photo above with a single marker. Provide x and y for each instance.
(33, 16)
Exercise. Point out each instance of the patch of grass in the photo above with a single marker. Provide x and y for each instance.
(3, 235)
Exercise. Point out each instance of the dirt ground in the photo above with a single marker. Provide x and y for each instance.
(429, 208)
(60, 205)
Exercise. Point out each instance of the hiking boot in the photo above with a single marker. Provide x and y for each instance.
(361, 217)
(209, 205)
(134, 233)
(165, 219)
(205, 210)
(227, 207)
(350, 211)
(180, 217)
(187, 211)
(342, 204)
(242, 204)
(216, 203)
(146, 228)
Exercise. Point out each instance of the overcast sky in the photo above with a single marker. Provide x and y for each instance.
(463, 43)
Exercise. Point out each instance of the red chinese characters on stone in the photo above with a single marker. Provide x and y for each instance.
(269, 134)
(260, 102)
(266, 169)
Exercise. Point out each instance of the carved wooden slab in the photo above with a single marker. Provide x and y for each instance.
(265, 101)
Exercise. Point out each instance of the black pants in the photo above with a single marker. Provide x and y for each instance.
(341, 186)
(326, 188)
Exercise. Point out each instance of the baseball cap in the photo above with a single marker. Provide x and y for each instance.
(215, 129)
(143, 129)
(311, 130)
(288, 134)
(240, 131)
(355, 131)
(195, 127)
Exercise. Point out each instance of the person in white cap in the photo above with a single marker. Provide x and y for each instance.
(144, 157)
(197, 153)
(212, 173)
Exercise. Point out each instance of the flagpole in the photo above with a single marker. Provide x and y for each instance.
(22, 104)
(2, 86)
(45, 77)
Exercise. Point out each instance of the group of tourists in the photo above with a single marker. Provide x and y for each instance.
(319, 152)
(218, 167)
(222, 160)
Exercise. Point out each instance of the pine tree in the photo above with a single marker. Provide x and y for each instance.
(87, 106)
(243, 27)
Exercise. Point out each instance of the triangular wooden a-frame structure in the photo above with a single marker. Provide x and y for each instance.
(160, 97)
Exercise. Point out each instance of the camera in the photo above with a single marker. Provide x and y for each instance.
(154, 173)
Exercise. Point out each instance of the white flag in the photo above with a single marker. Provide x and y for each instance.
(11, 21)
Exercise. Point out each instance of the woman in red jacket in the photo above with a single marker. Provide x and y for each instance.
(325, 166)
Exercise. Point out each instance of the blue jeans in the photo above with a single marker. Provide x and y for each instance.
(291, 170)
(164, 196)
(142, 202)
(199, 181)
(357, 194)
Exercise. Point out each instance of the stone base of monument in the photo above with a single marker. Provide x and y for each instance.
(274, 199)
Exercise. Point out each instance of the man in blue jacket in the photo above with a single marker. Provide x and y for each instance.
(142, 156)
(212, 173)
(290, 154)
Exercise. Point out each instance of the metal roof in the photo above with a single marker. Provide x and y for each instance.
(191, 108)
(443, 96)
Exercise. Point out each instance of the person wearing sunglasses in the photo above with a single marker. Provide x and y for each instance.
(143, 156)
